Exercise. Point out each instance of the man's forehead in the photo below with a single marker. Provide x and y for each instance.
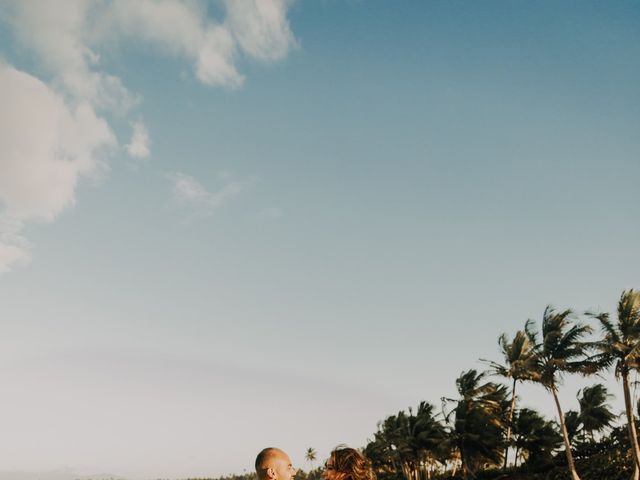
(282, 456)
(279, 455)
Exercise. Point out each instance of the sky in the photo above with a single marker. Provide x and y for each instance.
(235, 224)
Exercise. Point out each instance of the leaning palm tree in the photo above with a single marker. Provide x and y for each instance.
(620, 346)
(595, 414)
(560, 351)
(518, 362)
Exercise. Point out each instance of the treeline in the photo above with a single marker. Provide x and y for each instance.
(482, 433)
(313, 474)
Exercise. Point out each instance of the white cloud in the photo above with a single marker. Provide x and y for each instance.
(179, 28)
(214, 66)
(138, 147)
(261, 27)
(257, 27)
(58, 36)
(51, 130)
(188, 192)
(45, 147)
(67, 37)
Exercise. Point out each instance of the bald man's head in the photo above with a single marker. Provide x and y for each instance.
(274, 464)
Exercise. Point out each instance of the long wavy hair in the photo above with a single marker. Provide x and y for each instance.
(352, 464)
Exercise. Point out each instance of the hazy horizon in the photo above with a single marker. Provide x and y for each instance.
(239, 223)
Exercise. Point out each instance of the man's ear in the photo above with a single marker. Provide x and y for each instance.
(271, 473)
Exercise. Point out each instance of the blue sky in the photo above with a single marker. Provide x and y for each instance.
(235, 224)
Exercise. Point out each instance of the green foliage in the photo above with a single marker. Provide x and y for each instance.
(469, 437)
(535, 438)
(595, 414)
(477, 421)
(409, 443)
(572, 423)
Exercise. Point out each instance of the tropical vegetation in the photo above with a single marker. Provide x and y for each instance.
(484, 433)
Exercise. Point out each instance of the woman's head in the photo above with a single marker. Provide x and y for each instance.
(346, 463)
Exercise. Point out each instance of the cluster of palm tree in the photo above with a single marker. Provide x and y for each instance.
(482, 427)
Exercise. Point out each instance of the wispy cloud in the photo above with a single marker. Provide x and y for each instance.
(13, 251)
(68, 40)
(138, 147)
(188, 192)
(261, 27)
(54, 129)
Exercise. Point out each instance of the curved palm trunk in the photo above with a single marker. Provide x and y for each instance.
(633, 435)
(509, 422)
(463, 464)
(565, 436)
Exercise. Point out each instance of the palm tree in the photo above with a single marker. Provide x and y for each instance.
(427, 436)
(535, 438)
(595, 414)
(391, 447)
(518, 362)
(311, 455)
(620, 346)
(572, 423)
(560, 351)
(380, 453)
(478, 421)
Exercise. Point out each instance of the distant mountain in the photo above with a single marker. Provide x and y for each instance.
(62, 474)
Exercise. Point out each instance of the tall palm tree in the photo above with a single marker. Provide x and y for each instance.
(310, 455)
(595, 414)
(620, 346)
(560, 351)
(518, 362)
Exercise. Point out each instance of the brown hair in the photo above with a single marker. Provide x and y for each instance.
(351, 463)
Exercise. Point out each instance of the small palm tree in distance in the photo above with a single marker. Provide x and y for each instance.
(311, 456)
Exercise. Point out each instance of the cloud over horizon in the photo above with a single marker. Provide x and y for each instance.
(188, 192)
(54, 123)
